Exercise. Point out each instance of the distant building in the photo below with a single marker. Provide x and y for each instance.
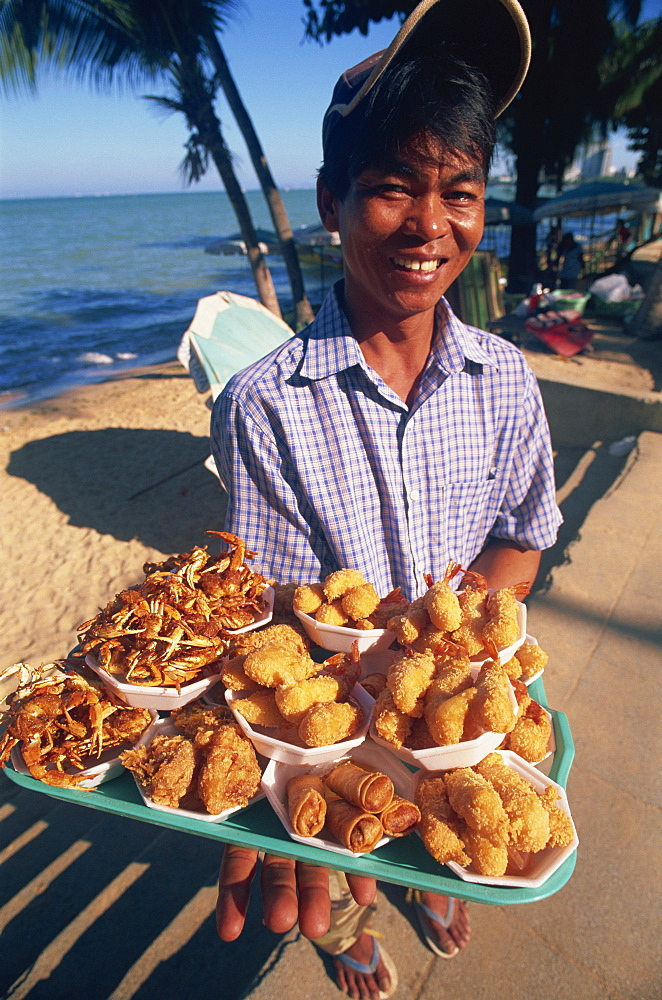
(593, 161)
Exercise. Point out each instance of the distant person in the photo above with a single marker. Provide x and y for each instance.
(571, 262)
(623, 235)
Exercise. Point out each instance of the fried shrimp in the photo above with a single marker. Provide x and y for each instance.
(561, 831)
(408, 625)
(530, 737)
(531, 658)
(502, 627)
(439, 826)
(408, 678)
(339, 582)
(528, 822)
(486, 857)
(390, 723)
(442, 604)
(330, 723)
(469, 633)
(374, 684)
(275, 664)
(477, 802)
(294, 701)
(492, 709)
(446, 716)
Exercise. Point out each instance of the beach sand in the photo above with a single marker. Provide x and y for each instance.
(94, 483)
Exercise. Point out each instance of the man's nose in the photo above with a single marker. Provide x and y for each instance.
(428, 219)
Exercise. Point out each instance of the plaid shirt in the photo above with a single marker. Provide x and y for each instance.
(326, 467)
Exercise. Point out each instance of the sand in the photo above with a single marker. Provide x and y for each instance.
(95, 483)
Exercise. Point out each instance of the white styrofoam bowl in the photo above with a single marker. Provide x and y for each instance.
(165, 727)
(277, 774)
(544, 863)
(291, 753)
(268, 595)
(144, 696)
(340, 639)
(109, 765)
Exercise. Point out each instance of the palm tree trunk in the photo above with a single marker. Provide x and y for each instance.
(304, 312)
(211, 136)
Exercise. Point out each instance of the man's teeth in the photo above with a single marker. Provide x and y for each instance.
(417, 265)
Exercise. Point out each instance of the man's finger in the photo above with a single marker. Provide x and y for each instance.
(314, 902)
(362, 888)
(234, 885)
(279, 893)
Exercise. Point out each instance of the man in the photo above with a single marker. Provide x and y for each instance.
(388, 436)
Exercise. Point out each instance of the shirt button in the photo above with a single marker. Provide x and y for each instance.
(414, 494)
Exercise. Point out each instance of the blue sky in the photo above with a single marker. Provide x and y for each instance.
(71, 140)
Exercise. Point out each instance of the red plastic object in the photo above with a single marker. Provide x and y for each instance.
(563, 332)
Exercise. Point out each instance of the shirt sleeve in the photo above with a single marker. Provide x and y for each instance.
(529, 513)
(263, 508)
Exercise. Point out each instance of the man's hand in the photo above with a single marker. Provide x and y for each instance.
(291, 891)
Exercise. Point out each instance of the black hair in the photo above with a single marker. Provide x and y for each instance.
(422, 93)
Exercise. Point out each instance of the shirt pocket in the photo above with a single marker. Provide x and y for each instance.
(470, 508)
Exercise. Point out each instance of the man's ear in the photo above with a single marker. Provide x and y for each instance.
(327, 206)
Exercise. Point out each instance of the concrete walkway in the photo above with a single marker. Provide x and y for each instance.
(98, 908)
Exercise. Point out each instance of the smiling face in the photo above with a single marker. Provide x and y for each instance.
(407, 229)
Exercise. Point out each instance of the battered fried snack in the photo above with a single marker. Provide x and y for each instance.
(306, 804)
(331, 614)
(369, 790)
(442, 603)
(528, 828)
(284, 634)
(196, 715)
(260, 709)
(420, 737)
(276, 664)
(492, 709)
(308, 598)
(446, 717)
(323, 725)
(390, 723)
(439, 825)
(234, 677)
(486, 857)
(408, 625)
(360, 602)
(469, 633)
(294, 701)
(389, 606)
(165, 769)
(561, 832)
(355, 829)
(502, 628)
(339, 582)
(229, 772)
(400, 817)
(451, 676)
(477, 802)
(531, 734)
(531, 658)
(408, 678)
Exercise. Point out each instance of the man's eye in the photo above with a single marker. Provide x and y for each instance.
(461, 196)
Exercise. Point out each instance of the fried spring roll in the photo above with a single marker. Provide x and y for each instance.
(306, 804)
(400, 817)
(369, 790)
(355, 829)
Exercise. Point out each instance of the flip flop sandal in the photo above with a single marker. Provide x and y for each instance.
(422, 911)
(371, 968)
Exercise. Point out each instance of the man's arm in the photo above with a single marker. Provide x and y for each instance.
(504, 563)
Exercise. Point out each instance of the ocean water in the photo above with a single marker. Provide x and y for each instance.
(91, 286)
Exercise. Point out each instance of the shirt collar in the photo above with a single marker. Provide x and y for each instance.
(330, 347)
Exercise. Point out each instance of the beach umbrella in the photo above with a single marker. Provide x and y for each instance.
(601, 197)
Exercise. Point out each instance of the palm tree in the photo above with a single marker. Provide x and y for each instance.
(141, 40)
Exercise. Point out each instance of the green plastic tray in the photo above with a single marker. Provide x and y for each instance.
(404, 862)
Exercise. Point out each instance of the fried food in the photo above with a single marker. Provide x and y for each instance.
(531, 734)
(332, 614)
(439, 825)
(357, 830)
(294, 701)
(369, 790)
(477, 802)
(260, 709)
(229, 772)
(561, 832)
(528, 828)
(276, 664)
(400, 817)
(339, 582)
(492, 710)
(283, 634)
(420, 737)
(389, 606)
(442, 604)
(308, 598)
(531, 658)
(469, 633)
(165, 769)
(306, 804)
(451, 676)
(446, 717)
(390, 723)
(196, 715)
(360, 602)
(234, 677)
(486, 857)
(323, 725)
(408, 678)
(502, 627)
(408, 625)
